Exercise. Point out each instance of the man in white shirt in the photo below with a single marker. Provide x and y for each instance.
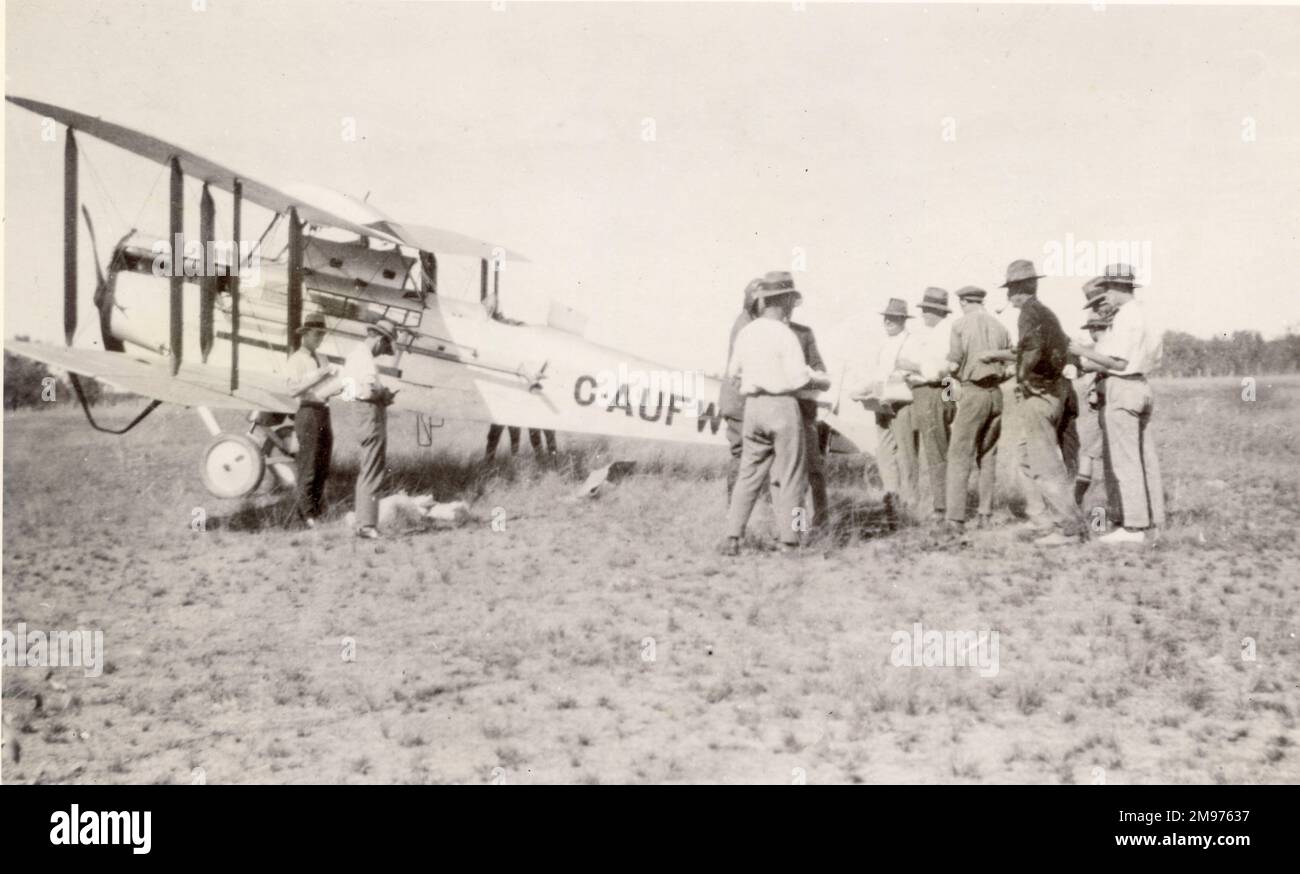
(769, 362)
(933, 402)
(361, 383)
(308, 380)
(1126, 354)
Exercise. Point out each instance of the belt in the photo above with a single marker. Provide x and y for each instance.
(762, 393)
(987, 382)
(1132, 376)
(315, 405)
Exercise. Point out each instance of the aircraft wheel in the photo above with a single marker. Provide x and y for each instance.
(232, 466)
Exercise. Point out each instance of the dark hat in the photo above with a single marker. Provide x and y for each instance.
(971, 292)
(312, 323)
(1119, 274)
(896, 309)
(384, 328)
(774, 284)
(1019, 271)
(934, 299)
(1093, 290)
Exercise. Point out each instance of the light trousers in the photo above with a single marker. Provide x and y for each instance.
(772, 452)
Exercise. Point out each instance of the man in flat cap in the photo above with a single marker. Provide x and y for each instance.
(932, 403)
(308, 380)
(1130, 350)
(1041, 391)
(773, 374)
(977, 424)
(731, 402)
(884, 386)
(361, 378)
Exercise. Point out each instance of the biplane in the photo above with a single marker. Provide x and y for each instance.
(179, 321)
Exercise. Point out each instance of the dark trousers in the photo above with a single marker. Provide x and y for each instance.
(315, 446)
(815, 464)
(932, 419)
(974, 443)
(535, 437)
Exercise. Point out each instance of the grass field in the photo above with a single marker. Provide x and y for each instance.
(605, 641)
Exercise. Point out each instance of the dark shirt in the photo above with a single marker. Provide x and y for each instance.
(812, 357)
(731, 403)
(1044, 347)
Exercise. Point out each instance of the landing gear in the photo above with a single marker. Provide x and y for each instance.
(234, 465)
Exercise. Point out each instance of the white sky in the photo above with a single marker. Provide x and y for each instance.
(774, 129)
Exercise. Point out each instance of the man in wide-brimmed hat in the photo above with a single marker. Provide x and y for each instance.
(731, 402)
(1130, 350)
(362, 383)
(770, 365)
(307, 375)
(884, 390)
(977, 425)
(933, 405)
(1042, 394)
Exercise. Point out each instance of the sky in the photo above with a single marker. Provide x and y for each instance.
(650, 159)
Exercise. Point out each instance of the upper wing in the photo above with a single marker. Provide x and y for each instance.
(437, 240)
(215, 174)
(197, 385)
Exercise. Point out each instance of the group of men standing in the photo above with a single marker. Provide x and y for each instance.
(940, 394)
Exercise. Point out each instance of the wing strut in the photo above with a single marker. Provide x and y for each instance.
(208, 278)
(177, 263)
(482, 279)
(69, 237)
(237, 191)
(294, 321)
(76, 386)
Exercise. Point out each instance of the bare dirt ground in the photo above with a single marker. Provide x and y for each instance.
(604, 640)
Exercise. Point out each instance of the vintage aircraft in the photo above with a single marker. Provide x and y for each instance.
(455, 359)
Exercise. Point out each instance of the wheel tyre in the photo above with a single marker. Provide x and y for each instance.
(232, 466)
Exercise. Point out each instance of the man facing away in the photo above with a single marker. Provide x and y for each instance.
(977, 425)
(307, 379)
(932, 409)
(1127, 353)
(770, 365)
(361, 376)
(1041, 390)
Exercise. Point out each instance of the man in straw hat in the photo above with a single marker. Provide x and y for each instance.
(1126, 354)
(932, 404)
(1041, 392)
(769, 363)
(886, 392)
(977, 424)
(730, 401)
(361, 378)
(308, 377)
